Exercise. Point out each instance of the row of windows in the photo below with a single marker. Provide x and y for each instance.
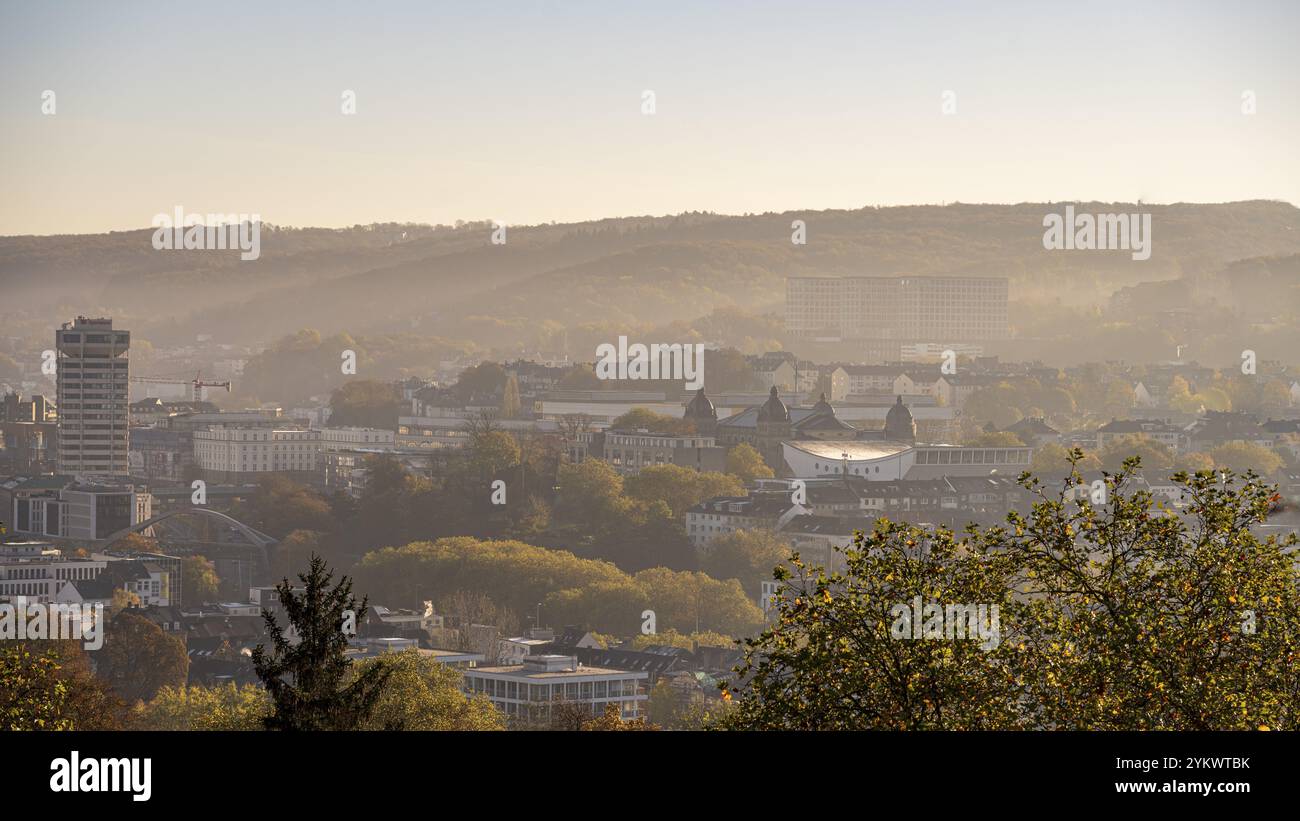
(973, 456)
(24, 573)
(570, 691)
(24, 589)
(94, 339)
(222, 436)
(636, 457)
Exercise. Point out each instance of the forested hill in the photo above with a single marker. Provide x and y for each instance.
(454, 283)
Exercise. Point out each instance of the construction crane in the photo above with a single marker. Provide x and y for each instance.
(197, 384)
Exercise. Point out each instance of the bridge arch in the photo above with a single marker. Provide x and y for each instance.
(254, 536)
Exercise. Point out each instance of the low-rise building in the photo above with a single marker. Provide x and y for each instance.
(62, 507)
(631, 451)
(1034, 431)
(42, 574)
(529, 692)
(1163, 431)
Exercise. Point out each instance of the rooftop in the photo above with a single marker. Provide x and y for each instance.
(857, 451)
(524, 671)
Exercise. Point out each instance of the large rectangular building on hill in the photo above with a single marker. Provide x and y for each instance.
(902, 309)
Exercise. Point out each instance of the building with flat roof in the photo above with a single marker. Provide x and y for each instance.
(63, 508)
(52, 576)
(528, 692)
(93, 381)
(349, 437)
(905, 310)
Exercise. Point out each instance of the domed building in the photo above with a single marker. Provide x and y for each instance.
(899, 424)
(768, 425)
(812, 442)
(773, 411)
(700, 410)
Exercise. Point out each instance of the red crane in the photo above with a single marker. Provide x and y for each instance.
(197, 384)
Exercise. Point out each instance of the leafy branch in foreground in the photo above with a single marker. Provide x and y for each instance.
(1120, 615)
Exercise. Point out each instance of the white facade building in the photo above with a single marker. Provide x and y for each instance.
(256, 450)
(343, 438)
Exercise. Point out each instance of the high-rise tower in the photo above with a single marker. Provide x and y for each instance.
(92, 397)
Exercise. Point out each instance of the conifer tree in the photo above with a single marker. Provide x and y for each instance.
(309, 680)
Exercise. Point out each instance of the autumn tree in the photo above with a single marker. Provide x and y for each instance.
(91, 703)
(1139, 618)
(199, 581)
(491, 453)
(464, 608)
(510, 406)
(34, 695)
(122, 600)
(746, 464)
(49, 685)
(1121, 616)
(135, 543)
(644, 418)
(686, 641)
(1246, 456)
(1151, 453)
(673, 709)
(581, 378)
(421, 694)
(679, 487)
(571, 590)
(138, 658)
(293, 553)
(224, 707)
(746, 555)
(611, 719)
(366, 403)
(1053, 458)
(994, 439)
(835, 657)
(591, 492)
(484, 379)
(281, 506)
(1193, 462)
(728, 371)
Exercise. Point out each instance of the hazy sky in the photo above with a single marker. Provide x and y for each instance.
(531, 112)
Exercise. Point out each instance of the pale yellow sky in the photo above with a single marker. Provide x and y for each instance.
(532, 116)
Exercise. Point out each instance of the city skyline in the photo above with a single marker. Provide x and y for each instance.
(741, 367)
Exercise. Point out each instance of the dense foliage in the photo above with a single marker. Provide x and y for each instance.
(1121, 615)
